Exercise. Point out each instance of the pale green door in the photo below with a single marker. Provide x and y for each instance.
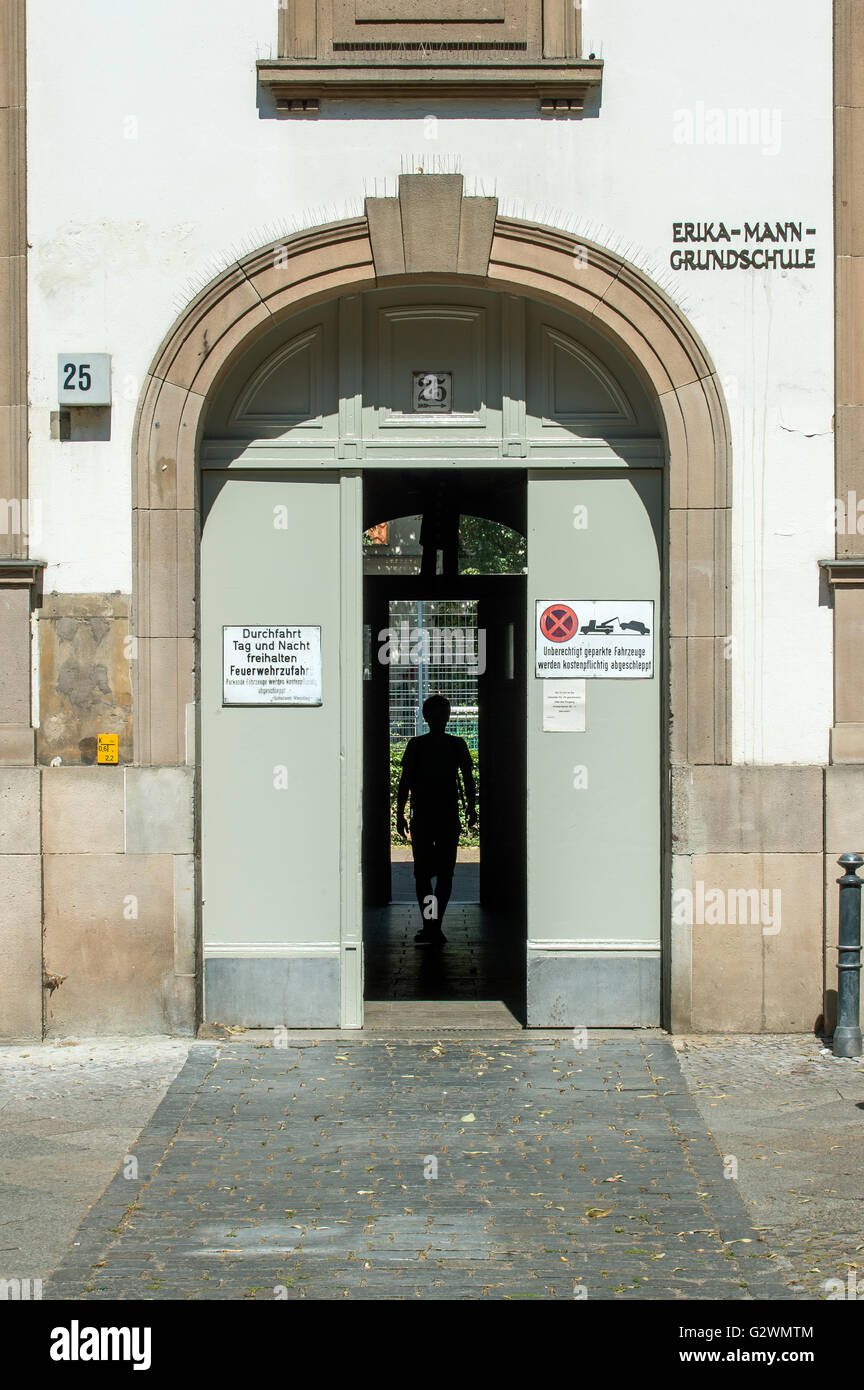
(594, 795)
(279, 813)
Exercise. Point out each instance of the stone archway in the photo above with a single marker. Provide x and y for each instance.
(430, 232)
(465, 237)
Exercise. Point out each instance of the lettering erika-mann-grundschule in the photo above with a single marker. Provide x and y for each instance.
(754, 250)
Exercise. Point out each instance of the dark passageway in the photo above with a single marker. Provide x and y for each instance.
(440, 564)
(482, 960)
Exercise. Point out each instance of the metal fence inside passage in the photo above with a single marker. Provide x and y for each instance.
(433, 650)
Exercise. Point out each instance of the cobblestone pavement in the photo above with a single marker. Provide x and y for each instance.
(790, 1116)
(468, 1167)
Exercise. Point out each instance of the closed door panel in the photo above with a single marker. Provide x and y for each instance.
(270, 774)
(594, 795)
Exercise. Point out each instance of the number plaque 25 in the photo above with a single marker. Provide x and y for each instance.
(84, 378)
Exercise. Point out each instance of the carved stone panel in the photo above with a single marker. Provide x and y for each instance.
(405, 47)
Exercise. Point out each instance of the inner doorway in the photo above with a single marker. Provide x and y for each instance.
(444, 613)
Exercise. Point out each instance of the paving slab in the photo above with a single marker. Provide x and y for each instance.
(789, 1118)
(69, 1113)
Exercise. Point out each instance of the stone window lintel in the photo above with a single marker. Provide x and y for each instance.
(560, 87)
(845, 572)
(17, 574)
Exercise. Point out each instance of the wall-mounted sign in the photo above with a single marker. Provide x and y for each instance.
(107, 748)
(84, 378)
(564, 707)
(611, 639)
(433, 392)
(271, 665)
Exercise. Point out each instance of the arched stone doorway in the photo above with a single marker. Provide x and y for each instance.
(387, 249)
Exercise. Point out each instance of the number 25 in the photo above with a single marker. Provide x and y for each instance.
(85, 380)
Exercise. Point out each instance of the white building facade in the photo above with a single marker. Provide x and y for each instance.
(620, 225)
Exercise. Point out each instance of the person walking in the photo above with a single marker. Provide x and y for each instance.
(432, 766)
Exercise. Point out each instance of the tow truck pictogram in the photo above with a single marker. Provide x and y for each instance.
(605, 628)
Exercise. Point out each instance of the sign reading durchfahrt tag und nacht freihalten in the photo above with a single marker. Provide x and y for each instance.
(611, 639)
(271, 665)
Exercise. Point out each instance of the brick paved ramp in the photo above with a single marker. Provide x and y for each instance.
(302, 1172)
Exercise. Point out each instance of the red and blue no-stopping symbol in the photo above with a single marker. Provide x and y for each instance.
(559, 623)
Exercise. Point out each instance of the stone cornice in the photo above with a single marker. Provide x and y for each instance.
(21, 574)
(559, 87)
(845, 572)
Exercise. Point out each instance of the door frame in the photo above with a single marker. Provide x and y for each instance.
(351, 748)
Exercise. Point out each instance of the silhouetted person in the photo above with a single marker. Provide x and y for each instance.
(431, 765)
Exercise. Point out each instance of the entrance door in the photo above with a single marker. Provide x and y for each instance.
(594, 794)
(280, 817)
(281, 779)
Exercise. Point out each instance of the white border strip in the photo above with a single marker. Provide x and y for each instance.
(265, 950)
(606, 946)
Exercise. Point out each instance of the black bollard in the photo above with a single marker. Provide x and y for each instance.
(847, 1034)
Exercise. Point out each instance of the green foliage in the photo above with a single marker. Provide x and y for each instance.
(468, 838)
(487, 547)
